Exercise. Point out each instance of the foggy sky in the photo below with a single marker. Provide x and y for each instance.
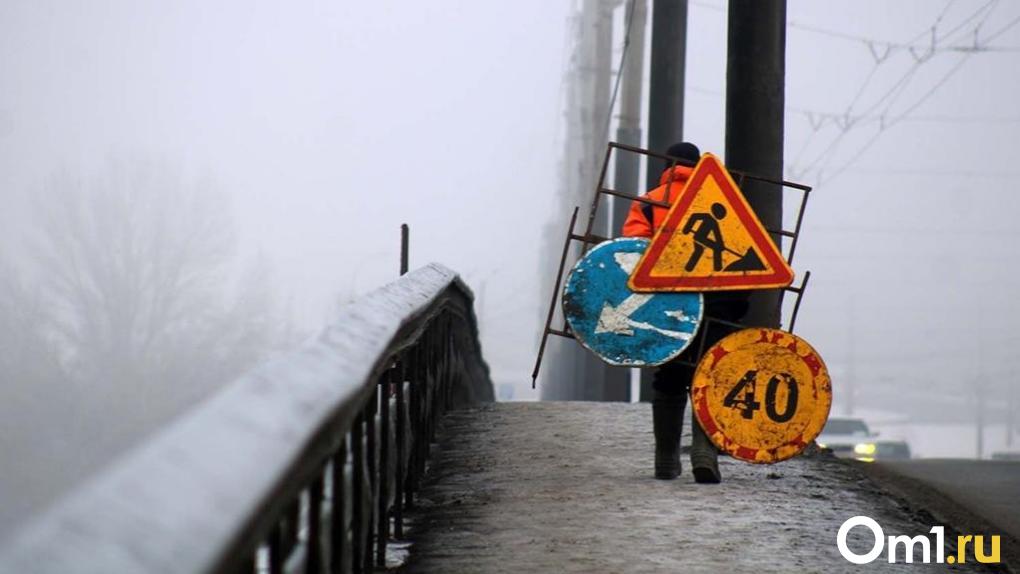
(331, 123)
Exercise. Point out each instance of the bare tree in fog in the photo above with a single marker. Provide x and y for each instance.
(131, 279)
(28, 362)
(24, 348)
(121, 313)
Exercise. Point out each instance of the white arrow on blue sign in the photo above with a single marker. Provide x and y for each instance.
(622, 327)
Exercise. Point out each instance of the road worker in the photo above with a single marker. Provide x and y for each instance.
(671, 382)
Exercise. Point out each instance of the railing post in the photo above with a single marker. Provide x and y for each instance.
(291, 526)
(439, 346)
(426, 398)
(426, 406)
(247, 566)
(398, 496)
(276, 549)
(315, 493)
(405, 244)
(449, 364)
(357, 493)
(457, 359)
(371, 410)
(437, 358)
(382, 514)
(414, 385)
(338, 523)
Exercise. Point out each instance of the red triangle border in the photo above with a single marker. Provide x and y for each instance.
(709, 165)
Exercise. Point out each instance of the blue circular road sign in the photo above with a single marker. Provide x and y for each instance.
(622, 327)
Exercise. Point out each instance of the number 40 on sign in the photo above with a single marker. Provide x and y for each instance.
(762, 395)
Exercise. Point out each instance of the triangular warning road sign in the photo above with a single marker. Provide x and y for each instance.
(711, 240)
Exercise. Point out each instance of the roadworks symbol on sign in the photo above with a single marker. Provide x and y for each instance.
(711, 240)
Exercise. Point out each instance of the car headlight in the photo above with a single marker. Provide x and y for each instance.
(864, 448)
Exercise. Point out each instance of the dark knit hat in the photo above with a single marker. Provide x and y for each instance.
(685, 151)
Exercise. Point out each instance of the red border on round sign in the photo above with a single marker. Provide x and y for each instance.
(794, 446)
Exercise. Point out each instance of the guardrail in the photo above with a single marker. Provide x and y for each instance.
(305, 464)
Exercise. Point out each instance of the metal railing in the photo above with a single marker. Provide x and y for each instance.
(305, 464)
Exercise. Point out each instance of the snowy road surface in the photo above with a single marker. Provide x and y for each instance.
(567, 487)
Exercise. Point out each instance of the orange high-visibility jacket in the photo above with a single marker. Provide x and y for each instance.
(643, 219)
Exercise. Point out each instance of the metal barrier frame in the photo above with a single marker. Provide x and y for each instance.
(587, 239)
(304, 464)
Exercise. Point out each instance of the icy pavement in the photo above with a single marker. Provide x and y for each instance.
(567, 487)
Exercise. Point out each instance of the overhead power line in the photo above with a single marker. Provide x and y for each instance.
(882, 108)
(819, 118)
(881, 48)
(963, 37)
(935, 172)
(892, 94)
(891, 122)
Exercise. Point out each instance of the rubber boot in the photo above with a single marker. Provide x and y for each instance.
(667, 420)
(704, 456)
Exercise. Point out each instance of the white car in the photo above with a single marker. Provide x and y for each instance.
(848, 438)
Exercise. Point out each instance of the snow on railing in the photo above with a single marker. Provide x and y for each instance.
(303, 464)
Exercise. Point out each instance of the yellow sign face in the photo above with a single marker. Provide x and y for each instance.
(711, 240)
(762, 395)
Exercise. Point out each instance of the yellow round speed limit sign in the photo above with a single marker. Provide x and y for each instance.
(762, 395)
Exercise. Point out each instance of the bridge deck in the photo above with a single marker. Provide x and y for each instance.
(567, 487)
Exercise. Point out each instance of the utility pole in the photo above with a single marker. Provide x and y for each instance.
(574, 373)
(755, 96)
(627, 166)
(979, 418)
(628, 129)
(851, 363)
(595, 380)
(1011, 411)
(665, 98)
(666, 83)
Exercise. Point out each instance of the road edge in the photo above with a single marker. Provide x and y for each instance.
(937, 507)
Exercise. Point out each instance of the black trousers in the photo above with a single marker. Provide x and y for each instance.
(675, 377)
